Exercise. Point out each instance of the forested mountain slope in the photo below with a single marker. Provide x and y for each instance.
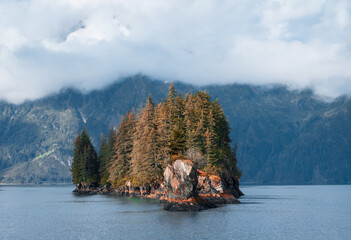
(283, 136)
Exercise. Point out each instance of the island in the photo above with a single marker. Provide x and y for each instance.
(178, 151)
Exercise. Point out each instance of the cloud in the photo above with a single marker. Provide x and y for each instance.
(48, 45)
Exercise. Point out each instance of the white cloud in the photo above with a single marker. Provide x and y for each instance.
(48, 45)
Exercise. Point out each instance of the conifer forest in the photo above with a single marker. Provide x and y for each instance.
(191, 126)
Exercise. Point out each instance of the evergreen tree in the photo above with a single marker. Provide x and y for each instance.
(162, 135)
(177, 142)
(178, 109)
(91, 164)
(171, 95)
(144, 156)
(120, 170)
(143, 145)
(105, 156)
(85, 166)
(169, 107)
(77, 163)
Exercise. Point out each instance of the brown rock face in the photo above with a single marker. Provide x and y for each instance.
(211, 188)
(185, 188)
(180, 184)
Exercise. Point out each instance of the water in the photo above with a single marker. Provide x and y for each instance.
(266, 212)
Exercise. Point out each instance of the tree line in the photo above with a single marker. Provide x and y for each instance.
(144, 143)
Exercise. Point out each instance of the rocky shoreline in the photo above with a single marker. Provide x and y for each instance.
(185, 188)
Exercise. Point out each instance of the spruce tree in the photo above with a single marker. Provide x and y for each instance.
(120, 170)
(77, 163)
(169, 107)
(162, 135)
(144, 156)
(91, 163)
(85, 165)
(177, 142)
(105, 156)
(143, 144)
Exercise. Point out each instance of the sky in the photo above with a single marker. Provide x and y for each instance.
(47, 45)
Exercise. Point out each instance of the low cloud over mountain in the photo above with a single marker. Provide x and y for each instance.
(49, 45)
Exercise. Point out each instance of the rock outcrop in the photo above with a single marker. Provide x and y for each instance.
(149, 191)
(211, 188)
(180, 183)
(231, 184)
(83, 188)
(185, 188)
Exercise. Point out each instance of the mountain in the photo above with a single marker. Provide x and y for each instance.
(287, 136)
(283, 136)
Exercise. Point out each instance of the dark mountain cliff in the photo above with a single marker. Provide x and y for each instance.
(283, 136)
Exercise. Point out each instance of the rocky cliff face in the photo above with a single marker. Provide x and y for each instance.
(214, 189)
(185, 188)
(181, 183)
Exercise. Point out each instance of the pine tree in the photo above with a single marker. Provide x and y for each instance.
(171, 94)
(85, 166)
(77, 163)
(169, 107)
(162, 135)
(143, 145)
(91, 164)
(190, 121)
(120, 170)
(179, 109)
(144, 155)
(177, 142)
(105, 156)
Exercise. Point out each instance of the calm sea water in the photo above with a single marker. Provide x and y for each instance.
(266, 212)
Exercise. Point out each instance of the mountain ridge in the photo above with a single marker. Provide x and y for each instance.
(284, 136)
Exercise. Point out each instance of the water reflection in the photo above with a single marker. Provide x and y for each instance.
(266, 212)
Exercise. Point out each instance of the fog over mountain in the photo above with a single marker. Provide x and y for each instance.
(284, 136)
(49, 45)
(271, 63)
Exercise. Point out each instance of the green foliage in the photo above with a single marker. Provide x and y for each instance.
(120, 168)
(177, 141)
(77, 163)
(105, 156)
(194, 127)
(145, 168)
(85, 165)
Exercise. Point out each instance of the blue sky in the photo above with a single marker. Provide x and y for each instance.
(48, 45)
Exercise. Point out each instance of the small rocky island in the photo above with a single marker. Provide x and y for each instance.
(178, 152)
